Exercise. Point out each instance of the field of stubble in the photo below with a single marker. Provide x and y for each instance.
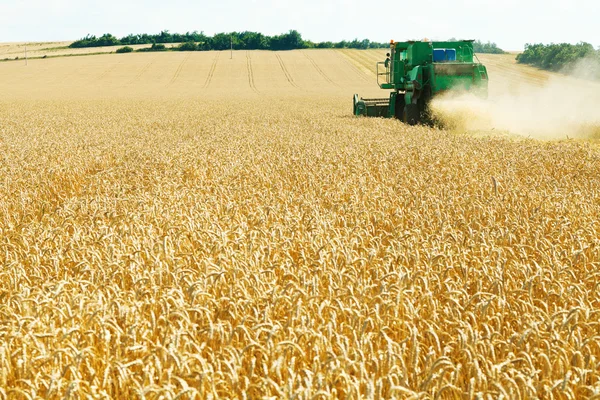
(189, 226)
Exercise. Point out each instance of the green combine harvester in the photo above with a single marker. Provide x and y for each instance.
(417, 71)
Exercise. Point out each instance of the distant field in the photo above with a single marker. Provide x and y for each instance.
(186, 225)
(333, 71)
(501, 66)
(188, 74)
(11, 51)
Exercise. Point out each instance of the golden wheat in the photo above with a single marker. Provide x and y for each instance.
(269, 245)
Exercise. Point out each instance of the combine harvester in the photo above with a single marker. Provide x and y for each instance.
(417, 71)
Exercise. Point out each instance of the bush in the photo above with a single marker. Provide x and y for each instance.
(158, 47)
(154, 47)
(188, 46)
(125, 49)
(488, 48)
(560, 57)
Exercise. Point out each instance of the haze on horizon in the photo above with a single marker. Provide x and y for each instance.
(510, 23)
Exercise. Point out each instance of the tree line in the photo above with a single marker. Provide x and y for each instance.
(243, 41)
(488, 48)
(481, 47)
(223, 41)
(560, 57)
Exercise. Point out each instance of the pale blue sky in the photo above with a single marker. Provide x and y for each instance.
(510, 23)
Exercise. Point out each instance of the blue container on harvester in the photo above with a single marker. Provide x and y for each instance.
(439, 55)
(450, 54)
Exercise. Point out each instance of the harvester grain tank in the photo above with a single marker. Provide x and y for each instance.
(418, 71)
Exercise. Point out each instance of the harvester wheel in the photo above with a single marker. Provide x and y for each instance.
(412, 114)
(400, 104)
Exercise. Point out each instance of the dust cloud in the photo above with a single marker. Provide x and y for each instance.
(558, 107)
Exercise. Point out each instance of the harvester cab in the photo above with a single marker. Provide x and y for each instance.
(415, 72)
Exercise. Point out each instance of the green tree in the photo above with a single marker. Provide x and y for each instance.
(164, 37)
(221, 41)
(489, 48)
(287, 41)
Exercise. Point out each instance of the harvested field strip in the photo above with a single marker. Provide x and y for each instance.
(319, 70)
(361, 71)
(510, 71)
(363, 59)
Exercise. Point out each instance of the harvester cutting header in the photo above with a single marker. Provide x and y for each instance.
(417, 71)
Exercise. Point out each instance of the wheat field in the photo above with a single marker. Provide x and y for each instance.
(186, 225)
(21, 50)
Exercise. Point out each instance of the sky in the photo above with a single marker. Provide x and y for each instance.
(509, 23)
